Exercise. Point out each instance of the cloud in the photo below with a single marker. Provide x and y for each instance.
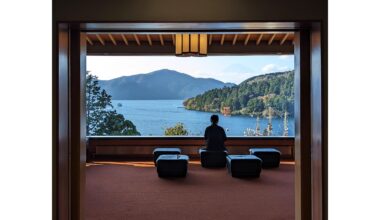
(268, 68)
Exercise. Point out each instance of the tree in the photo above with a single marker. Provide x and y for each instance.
(252, 96)
(102, 119)
(178, 129)
(256, 105)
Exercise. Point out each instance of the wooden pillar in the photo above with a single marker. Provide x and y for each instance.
(61, 172)
(303, 125)
(77, 121)
(318, 128)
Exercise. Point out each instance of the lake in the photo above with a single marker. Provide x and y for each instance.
(151, 117)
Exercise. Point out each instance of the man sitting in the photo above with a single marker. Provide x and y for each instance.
(215, 135)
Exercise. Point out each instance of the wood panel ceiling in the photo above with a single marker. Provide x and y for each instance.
(155, 44)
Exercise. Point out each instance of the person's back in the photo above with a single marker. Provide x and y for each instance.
(215, 135)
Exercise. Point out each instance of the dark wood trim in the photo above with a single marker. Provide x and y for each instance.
(196, 26)
(61, 185)
(145, 49)
(77, 119)
(303, 126)
(322, 27)
(135, 147)
(318, 127)
(60, 106)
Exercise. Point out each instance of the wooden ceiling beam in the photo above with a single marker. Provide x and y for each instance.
(284, 39)
(259, 39)
(124, 39)
(89, 40)
(222, 40)
(235, 38)
(168, 49)
(100, 39)
(162, 40)
(137, 39)
(210, 39)
(271, 39)
(149, 40)
(112, 39)
(247, 39)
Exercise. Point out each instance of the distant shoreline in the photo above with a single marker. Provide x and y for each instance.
(244, 115)
(184, 107)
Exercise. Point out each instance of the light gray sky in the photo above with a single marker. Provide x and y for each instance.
(224, 68)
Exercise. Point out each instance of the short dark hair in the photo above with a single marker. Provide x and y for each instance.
(214, 119)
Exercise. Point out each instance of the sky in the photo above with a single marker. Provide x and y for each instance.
(233, 69)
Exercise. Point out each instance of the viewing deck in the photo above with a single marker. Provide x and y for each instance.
(132, 190)
(122, 182)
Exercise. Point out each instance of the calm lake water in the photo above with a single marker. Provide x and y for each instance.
(151, 117)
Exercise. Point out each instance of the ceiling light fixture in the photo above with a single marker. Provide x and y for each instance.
(191, 45)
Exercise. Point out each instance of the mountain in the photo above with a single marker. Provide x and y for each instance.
(259, 95)
(160, 84)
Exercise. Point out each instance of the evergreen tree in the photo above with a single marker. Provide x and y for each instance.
(178, 129)
(101, 118)
(250, 97)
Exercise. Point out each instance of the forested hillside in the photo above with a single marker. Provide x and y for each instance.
(258, 96)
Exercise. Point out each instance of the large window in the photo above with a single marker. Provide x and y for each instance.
(167, 95)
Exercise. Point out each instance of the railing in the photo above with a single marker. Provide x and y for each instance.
(113, 147)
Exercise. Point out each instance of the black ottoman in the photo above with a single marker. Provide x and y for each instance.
(269, 156)
(212, 159)
(160, 151)
(244, 165)
(172, 165)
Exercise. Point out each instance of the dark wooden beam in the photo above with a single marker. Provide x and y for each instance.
(149, 40)
(318, 99)
(89, 40)
(100, 39)
(271, 39)
(143, 146)
(234, 40)
(222, 39)
(136, 39)
(77, 122)
(124, 39)
(250, 49)
(213, 49)
(112, 39)
(302, 114)
(247, 39)
(284, 39)
(131, 49)
(61, 159)
(259, 39)
(161, 40)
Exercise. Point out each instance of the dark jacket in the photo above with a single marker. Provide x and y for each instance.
(215, 137)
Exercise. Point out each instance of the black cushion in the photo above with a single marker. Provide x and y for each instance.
(212, 159)
(244, 165)
(169, 165)
(269, 156)
(160, 151)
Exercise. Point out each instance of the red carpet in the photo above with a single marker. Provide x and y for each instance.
(132, 190)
